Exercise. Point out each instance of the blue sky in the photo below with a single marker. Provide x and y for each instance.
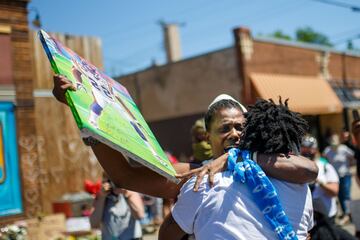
(132, 37)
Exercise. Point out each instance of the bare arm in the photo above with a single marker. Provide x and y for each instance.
(331, 189)
(139, 179)
(295, 169)
(135, 203)
(170, 229)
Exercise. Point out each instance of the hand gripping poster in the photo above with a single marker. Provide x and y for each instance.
(104, 110)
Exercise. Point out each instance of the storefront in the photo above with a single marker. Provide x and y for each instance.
(313, 97)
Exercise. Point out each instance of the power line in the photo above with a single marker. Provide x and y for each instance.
(347, 32)
(147, 24)
(346, 39)
(252, 18)
(138, 52)
(340, 4)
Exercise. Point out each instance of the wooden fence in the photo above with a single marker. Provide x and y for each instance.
(65, 162)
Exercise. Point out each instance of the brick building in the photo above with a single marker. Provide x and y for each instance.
(17, 87)
(41, 154)
(319, 81)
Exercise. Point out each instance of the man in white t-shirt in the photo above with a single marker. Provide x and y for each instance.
(340, 156)
(326, 186)
(228, 211)
(324, 192)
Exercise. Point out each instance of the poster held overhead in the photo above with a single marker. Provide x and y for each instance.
(103, 109)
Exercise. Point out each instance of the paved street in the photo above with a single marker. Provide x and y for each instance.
(151, 237)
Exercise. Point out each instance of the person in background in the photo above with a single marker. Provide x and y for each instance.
(326, 186)
(340, 156)
(200, 146)
(324, 191)
(153, 213)
(355, 128)
(117, 213)
(349, 141)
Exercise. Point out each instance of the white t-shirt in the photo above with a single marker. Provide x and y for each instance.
(227, 211)
(323, 203)
(340, 158)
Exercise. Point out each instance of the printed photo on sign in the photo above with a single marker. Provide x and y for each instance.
(104, 109)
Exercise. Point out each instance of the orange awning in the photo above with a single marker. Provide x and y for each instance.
(307, 95)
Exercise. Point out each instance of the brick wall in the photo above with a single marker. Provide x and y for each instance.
(265, 55)
(184, 88)
(13, 13)
(173, 96)
(280, 59)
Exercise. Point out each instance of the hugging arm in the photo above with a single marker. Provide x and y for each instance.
(292, 168)
(295, 169)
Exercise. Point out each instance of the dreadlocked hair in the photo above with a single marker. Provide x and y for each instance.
(272, 128)
(222, 104)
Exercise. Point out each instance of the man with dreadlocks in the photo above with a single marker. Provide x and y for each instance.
(244, 203)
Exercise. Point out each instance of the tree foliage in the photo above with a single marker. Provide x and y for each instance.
(304, 34)
(280, 35)
(307, 34)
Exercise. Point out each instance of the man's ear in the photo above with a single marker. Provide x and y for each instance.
(207, 136)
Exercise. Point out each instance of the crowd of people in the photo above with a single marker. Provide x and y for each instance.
(258, 193)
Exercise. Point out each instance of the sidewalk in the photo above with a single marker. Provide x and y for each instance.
(151, 236)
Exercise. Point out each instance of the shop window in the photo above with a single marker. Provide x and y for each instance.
(6, 70)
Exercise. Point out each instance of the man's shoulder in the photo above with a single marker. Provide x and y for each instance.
(345, 147)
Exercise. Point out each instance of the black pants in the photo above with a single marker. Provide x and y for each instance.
(326, 229)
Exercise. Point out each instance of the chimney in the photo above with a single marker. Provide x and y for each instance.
(172, 42)
(244, 51)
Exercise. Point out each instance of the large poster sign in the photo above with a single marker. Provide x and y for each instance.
(10, 192)
(104, 109)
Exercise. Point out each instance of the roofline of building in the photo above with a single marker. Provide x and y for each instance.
(173, 63)
(352, 104)
(264, 39)
(310, 46)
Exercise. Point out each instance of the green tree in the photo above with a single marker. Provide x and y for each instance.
(279, 34)
(307, 34)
